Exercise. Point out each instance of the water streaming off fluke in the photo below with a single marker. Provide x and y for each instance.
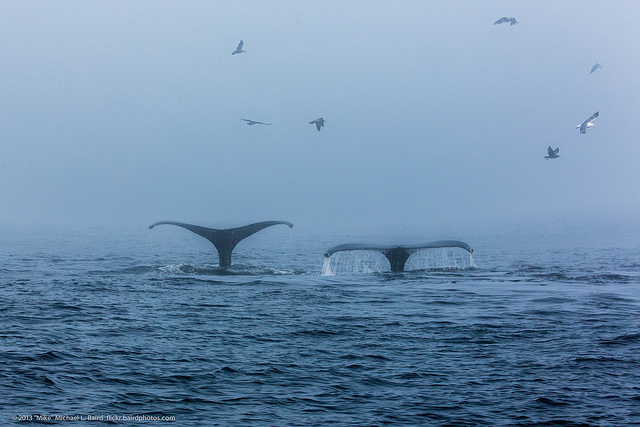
(369, 261)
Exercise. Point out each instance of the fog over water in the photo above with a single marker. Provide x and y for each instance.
(115, 115)
(129, 112)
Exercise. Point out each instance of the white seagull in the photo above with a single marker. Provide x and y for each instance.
(595, 67)
(553, 154)
(318, 122)
(253, 122)
(588, 123)
(505, 19)
(239, 48)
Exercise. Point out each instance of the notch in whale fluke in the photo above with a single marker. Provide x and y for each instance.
(225, 240)
(398, 255)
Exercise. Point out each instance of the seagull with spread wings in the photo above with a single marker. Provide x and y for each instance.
(253, 122)
(239, 48)
(595, 67)
(505, 19)
(553, 154)
(318, 122)
(588, 123)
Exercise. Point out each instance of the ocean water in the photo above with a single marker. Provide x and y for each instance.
(108, 322)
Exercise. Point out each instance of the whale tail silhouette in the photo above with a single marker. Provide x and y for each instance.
(225, 240)
(398, 255)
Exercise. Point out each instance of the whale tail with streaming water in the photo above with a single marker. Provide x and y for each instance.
(398, 255)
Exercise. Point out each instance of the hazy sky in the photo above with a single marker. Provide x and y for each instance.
(124, 111)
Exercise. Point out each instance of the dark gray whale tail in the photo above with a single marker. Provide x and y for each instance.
(398, 255)
(225, 240)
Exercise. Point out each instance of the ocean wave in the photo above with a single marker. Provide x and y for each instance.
(624, 339)
(186, 269)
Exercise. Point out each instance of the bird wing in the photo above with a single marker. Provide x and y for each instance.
(583, 126)
(556, 151)
(595, 67)
(501, 20)
(550, 151)
(319, 122)
(240, 45)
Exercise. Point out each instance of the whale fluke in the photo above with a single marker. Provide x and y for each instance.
(225, 240)
(398, 255)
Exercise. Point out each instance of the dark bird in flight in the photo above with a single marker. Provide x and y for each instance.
(553, 154)
(239, 48)
(505, 19)
(595, 67)
(253, 122)
(588, 123)
(318, 122)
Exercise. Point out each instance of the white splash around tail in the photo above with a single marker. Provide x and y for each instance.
(326, 267)
(435, 259)
(366, 262)
(354, 262)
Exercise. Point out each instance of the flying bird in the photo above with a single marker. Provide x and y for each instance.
(239, 48)
(318, 122)
(553, 154)
(595, 67)
(588, 123)
(253, 122)
(505, 19)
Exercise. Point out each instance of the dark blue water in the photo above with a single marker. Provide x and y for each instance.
(545, 330)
